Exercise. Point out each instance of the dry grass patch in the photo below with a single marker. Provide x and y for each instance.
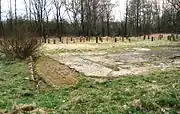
(54, 73)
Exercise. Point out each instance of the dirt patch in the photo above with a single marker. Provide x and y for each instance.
(54, 73)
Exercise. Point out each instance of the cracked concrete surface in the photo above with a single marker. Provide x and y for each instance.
(129, 62)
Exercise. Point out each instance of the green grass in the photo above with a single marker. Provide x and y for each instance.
(158, 92)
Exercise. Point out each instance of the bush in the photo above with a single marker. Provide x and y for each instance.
(19, 43)
(19, 48)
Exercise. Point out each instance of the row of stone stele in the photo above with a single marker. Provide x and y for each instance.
(173, 37)
(82, 39)
(152, 37)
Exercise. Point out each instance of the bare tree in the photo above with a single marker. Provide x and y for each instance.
(39, 11)
(74, 7)
(10, 16)
(138, 4)
(94, 13)
(26, 8)
(109, 7)
(102, 16)
(176, 22)
(15, 15)
(1, 26)
(175, 3)
(126, 19)
(157, 14)
(58, 6)
(30, 11)
(82, 18)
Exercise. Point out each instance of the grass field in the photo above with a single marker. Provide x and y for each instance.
(158, 92)
(107, 47)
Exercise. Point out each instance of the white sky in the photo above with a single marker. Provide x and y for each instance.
(118, 12)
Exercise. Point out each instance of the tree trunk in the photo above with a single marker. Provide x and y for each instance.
(108, 24)
(15, 13)
(82, 18)
(1, 26)
(137, 18)
(11, 17)
(126, 20)
(61, 27)
(57, 24)
(102, 26)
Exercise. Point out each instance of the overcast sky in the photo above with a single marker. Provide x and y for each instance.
(118, 12)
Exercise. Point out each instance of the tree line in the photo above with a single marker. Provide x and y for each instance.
(91, 18)
(155, 16)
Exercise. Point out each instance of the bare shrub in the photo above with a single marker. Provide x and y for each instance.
(19, 48)
(20, 44)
